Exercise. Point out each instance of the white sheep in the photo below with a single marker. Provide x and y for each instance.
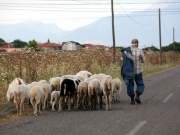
(85, 73)
(32, 84)
(12, 85)
(80, 77)
(117, 89)
(36, 95)
(107, 87)
(43, 81)
(21, 98)
(47, 94)
(55, 95)
(55, 83)
(87, 80)
(82, 93)
(94, 90)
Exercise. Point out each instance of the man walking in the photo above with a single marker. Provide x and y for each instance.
(138, 58)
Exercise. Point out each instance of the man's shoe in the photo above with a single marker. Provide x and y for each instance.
(132, 101)
(137, 99)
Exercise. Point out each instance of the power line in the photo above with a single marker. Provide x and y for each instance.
(95, 3)
(177, 34)
(80, 18)
(165, 26)
(134, 20)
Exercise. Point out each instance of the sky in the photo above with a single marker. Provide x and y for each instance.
(71, 14)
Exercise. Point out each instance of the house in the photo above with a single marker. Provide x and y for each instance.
(8, 48)
(48, 46)
(91, 46)
(71, 45)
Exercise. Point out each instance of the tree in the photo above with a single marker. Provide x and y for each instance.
(32, 44)
(19, 44)
(172, 47)
(2, 42)
(152, 48)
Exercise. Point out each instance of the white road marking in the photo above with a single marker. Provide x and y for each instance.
(136, 128)
(167, 98)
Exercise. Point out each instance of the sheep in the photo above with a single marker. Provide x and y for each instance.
(82, 93)
(80, 77)
(55, 95)
(32, 84)
(36, 95)
(107, 87)
(68, 90)
(94, 90)
(87, 80)
(21, 98)
(55, 83)
(43, 81)
(12, 85)
(117, 89)
(96, 76)
(66, 77)
(85, 73)
(47, 94)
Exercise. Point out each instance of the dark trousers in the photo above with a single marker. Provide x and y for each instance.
(139, 83)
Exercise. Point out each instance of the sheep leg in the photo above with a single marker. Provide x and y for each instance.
(21, 106)
(95, 102)
(39, 108)
(35, 109)
(17, 108)
(44, 104)
(60, 104)
(69, 103)
(118, 96)
(53, 104)
(92, 103)
(83, 104)
(75, 102)
(100, 98)
(109, 102)
(26, 107)
(106, 102)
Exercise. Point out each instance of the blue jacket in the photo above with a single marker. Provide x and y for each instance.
(127, 70)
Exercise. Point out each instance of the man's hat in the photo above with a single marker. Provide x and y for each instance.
(134, 41)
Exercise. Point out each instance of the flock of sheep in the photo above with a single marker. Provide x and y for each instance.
(82, 89)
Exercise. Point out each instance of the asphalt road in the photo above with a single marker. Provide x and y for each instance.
(159, 114)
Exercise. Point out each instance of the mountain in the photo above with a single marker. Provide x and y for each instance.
(30, 30)
(142, 25)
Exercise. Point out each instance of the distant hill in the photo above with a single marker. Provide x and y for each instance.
(26, 31)
(141, 25)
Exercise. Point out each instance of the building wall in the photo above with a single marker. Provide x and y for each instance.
(69, 46)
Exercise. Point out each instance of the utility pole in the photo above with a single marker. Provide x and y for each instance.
(160, 36)
(113, 33)
(173, 39)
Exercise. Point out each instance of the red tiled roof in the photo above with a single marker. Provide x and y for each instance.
(7, 46)
(89, 45)
(95, 46)
(49, 44)
(102, 46)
